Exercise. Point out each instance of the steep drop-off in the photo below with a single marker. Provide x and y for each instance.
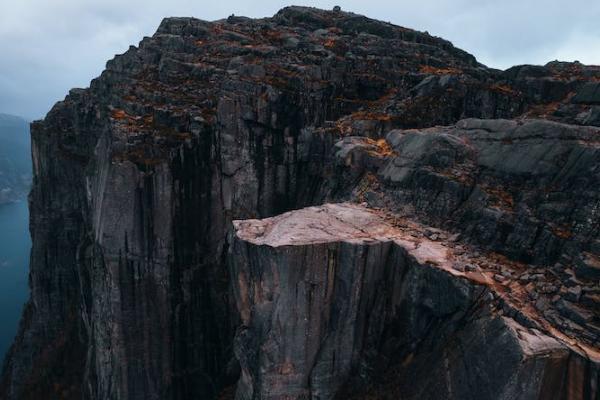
(335, 296)
(15, 160)
(138, 178)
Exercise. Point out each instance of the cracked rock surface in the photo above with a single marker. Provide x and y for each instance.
(137, 180)
(334, 297)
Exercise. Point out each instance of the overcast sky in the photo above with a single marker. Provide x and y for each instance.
(50, 46)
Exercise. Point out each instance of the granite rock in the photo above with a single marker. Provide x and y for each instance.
(138, 177)
(333, 298)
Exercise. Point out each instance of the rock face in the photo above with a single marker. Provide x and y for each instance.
(137, 180)
(15, 160)
(306, 284)
(508, 183)
(335, 295)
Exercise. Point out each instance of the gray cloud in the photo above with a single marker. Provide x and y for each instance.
(50, 46)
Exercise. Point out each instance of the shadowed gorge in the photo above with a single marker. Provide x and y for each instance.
(165, 264)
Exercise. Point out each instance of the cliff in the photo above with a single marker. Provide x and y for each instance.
(334, 297)
(138, 178)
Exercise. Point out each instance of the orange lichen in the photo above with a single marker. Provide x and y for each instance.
(272, 35)
(383, 148)
(428, 69)
(500, 197)
(380, 148)
(543, 110)
(504, 89)
(370, 116)
(277, 82)
(329, 43)
(457, 176)
(280, 71)
(119, 114)
(562, 232)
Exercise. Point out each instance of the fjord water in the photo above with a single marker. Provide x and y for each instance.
(15, 244)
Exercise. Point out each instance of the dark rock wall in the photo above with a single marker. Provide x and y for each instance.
(306, 313)
(507, 184)
(137, 178)
(377, 317)
(52, 335)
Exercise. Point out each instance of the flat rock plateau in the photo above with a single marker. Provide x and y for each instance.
(316, 205)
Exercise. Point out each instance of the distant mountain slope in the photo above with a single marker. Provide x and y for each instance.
(15, 158)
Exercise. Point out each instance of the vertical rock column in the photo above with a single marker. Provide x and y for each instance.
(305, 284)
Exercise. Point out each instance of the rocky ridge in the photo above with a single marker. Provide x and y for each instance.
(137, 181)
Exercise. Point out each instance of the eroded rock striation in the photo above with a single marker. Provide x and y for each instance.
(338, 294)
(138, 178)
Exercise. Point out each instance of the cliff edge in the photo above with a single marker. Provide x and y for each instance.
(138, 179)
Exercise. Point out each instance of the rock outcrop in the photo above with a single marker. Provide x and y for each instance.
(335, 295)
(507, 183)
(138, 178)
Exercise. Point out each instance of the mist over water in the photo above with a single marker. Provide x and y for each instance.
(15, 244)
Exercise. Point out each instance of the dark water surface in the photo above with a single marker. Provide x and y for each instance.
(15, 244)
